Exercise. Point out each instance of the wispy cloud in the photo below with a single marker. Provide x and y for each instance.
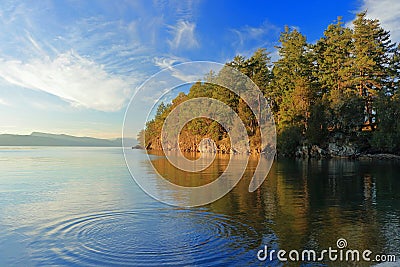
(74, 57)
(388, 12)
(183, 35)
(167, 62)
(121, 47)
(248, 38)
(183, 9)
(248, 33)
(92, 62)
(76, 79)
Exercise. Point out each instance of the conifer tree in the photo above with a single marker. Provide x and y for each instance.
(292, 83)
(370, 58)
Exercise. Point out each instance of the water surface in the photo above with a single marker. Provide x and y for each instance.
(80, 207)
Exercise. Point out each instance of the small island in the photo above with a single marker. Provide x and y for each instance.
(338, 97)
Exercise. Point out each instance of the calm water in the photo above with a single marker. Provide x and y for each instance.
(80, 207)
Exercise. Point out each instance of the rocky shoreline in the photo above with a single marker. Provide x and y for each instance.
(333, 151)
(379, 157)
(346, 151)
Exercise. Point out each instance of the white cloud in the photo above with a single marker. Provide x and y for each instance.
(185, 78)
(388, 13)
(4, 102)
(167, 62)
(183, 35)
(35, 45)
(261, 33)
(249, 38)
(248, 33)
(78, 80)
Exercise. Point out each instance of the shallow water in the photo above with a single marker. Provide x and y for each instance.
(80, 207)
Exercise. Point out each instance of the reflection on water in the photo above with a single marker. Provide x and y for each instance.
(190, 179)
(79, 206)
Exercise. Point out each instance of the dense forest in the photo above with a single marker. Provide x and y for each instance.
(338, 94)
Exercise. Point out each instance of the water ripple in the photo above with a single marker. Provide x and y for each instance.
(145, 238)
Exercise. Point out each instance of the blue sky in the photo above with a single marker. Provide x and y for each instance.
(72, 66)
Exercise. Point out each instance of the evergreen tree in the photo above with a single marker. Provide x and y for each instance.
(370, 58)
(257, 69)
(292, 72)
(292, 87)
(387, 136)
(333, 58)
(343, 107)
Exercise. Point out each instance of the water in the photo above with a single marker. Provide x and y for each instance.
(80, 207)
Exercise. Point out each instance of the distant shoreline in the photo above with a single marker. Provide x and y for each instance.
(22, 146)
(61, 140)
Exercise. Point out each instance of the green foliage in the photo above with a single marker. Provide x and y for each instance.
(292, 85)
(216, 131)
(333, 58)
(346, 111)
(199, 126)
(387, 137)
(288, 139)
(317, 132)
(370, 58)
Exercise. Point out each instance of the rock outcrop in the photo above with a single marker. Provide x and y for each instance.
(333, 150)
(342, 150)
(207, 145)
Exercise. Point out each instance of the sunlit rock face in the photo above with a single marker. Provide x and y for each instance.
(207, 145)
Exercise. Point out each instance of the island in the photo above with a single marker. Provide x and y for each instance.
(337, 97)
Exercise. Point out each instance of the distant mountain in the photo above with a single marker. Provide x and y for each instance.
(46, 139)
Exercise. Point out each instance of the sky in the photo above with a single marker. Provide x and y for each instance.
(72, 66)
